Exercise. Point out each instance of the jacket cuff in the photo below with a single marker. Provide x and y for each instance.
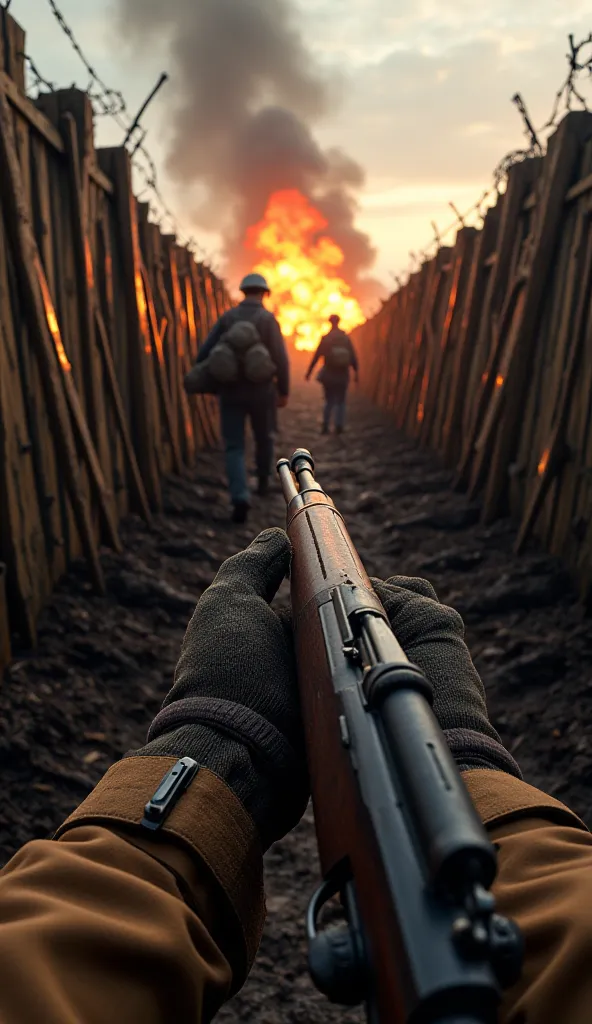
(501, 798)
(208, 822)
(473, 749)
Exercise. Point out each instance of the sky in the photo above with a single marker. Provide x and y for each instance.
(421, 96)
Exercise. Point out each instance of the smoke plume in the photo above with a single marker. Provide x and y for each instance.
(245, 94)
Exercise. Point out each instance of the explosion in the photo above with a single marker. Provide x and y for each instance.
(300, 262)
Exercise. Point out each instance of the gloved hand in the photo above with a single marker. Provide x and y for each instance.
(234, 705)
(432, 636)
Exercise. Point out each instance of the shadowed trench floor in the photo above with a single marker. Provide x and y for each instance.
(103, 665)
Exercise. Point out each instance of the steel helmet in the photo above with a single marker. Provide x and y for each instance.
(254, 281)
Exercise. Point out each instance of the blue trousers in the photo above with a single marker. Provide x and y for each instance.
(233, 416)
(334, 407)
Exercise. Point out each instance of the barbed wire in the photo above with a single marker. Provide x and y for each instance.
(579, 61)
(569, 91)
(38, 79)
(108, 102)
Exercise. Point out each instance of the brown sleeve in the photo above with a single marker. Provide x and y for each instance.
(111, 923)
(545, 884)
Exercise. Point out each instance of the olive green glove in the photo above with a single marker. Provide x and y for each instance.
(432, 636)
(234, 705)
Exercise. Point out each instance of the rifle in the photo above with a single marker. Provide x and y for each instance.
(399, 839)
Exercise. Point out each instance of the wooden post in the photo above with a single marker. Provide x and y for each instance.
(561, 158)
(438, 401)
(78, 165)
(472, 312)
(573, 338)
(487, 353)
(50, 484)
(21, 537)
(5, 654)
(144, 409)
(12, 49)
(181, 364)
(111, 377)
(161, 374)
(82, 433)
(26, 259)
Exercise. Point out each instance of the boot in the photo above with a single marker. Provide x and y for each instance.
(240, 511)
(324, 429)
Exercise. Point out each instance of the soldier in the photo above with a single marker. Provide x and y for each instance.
(339, 355)
(115, 921)
(251, 390)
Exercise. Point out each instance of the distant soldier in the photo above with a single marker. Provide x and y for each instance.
(246, 357)
(339, 356)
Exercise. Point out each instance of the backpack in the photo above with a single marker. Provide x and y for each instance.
(199, 380)
(339, 355)
(241, 353)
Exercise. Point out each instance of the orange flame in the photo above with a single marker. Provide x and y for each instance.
(544, 462)
(300, 264)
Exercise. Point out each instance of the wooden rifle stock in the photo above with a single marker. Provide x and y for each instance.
(398, 837)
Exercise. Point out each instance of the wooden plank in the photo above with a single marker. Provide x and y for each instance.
(87, 300)
(14, 50)
(168, 345)
(560, 161)
(211, 312)
(505, 333)
(472, 312)
(488, 353)
(112, 309)
(551, 458)
(161, 374)
(190, 308)
(416, 341)
(115, 395)
(195, 404)
(27, 262)
(432, 326)
(579, 189)
(50, 485)
(182, 364)
(547, 372)
(34, 116)
(82, 433)
(144, 410)
(464, 248)
(22, 546)
(64, 300)
(5, 653)
(101, 179)
(197, 272)
(583, 520)
(204, 403)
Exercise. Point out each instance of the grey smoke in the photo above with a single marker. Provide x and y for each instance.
(245, 94)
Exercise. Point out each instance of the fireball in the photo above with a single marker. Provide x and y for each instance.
(301, 264)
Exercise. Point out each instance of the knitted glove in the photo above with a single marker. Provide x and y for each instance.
(432, 636)
(234, 705)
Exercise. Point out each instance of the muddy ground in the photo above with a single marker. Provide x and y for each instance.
(103, 665)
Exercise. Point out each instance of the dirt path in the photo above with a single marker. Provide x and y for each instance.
(104, 664)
